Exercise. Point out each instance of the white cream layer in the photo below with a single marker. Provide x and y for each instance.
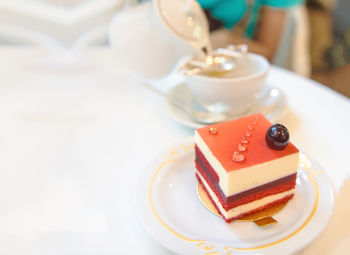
(236, 211)
(240, 180)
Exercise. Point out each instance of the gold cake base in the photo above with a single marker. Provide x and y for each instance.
(262, 218)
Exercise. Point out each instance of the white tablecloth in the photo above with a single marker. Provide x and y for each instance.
(60, 22)
(72, 145)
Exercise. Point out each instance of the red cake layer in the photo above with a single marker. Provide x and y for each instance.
(249, 198)
(285, 199)
(277, 186)
(203, 161)
(229, 135)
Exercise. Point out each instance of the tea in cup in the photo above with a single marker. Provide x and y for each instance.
(233, 92)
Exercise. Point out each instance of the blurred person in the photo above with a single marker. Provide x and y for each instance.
(276, 29)
(257, 23)
(336, 72)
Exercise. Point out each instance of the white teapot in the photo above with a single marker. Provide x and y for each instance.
(150, 38)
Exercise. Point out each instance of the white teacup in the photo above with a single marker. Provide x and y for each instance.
(233, 92)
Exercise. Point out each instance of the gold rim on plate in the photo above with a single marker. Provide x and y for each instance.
(206, 245)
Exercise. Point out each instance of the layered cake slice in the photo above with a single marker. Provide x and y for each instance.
(245, 165)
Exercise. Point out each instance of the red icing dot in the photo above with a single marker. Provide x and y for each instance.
(242, 147)
(237, 157)
(244, 140)
(213, 131)
(250, 127)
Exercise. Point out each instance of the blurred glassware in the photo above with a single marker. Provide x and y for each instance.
(62, 28)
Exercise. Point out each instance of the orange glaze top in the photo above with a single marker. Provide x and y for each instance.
(229, 135)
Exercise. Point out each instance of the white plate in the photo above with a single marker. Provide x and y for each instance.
(271, 102)
(168, 207)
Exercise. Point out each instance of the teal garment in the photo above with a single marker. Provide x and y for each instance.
(230, 12)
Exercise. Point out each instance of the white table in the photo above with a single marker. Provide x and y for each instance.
(73, 144)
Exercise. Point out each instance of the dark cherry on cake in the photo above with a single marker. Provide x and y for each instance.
(277, 137)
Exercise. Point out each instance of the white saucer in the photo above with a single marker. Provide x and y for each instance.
(271, 102)
(168, 207)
